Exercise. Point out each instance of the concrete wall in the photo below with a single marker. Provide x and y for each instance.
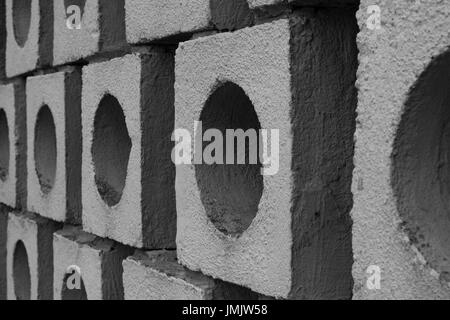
(92, 205)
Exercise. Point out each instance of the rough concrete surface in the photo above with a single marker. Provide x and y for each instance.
(99, 261)
(399, 181)
(148, 20)
(156, 275)
(301, 219)
(54, 145)
(22, 41)
(128, 178)
(102, 28)
(8, 143)
(29, 257)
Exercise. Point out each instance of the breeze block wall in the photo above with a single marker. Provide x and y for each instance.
(93, 205)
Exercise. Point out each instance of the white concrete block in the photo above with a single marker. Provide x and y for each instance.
(29, 257)
(54, 145)
(400, 182)
(128, 177)
(28, 36)
(148, 20)
(287, 234)
(101, 28)
(97, 262)
(8, 146)
(156, 275)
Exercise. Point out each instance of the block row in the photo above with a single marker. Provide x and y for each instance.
(44, 261)
(38, 34)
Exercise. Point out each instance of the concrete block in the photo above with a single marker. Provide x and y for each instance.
(13, 191)
(148, 20)
(287, 234)
(400, 181)
(29, 36)
(156, 275)
(128, 191)
(54, 144)
(8, 146)
(101, 28)
(29, 257)
(99, 263)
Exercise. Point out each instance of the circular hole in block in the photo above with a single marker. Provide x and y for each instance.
(4, 146)
(21, 11)
(73, 287)
(21, 273)
(110, 150)
(421, 165)
(230, 192)
(79, 3)
(45, 149)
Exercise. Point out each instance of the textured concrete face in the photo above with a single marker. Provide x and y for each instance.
(22, 42)
(29, 257)
(54, 144)
(8, 143)
(71, 44)
(128, 177)
(299, 220)
(148, 20)
(156, 275)
(400, 183)
(101, 28)
(99, 262)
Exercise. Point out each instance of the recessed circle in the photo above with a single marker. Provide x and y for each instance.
(21, 12)
(421, 165)
(230, 193)
(110, 150)
(78, 291)
(21, 273)
(45, 149)
(4, 146)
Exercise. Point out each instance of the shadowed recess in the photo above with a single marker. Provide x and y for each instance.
(21, 273)
(21, 12)
(4, 146)
(75, 293)
(421, 162)
(230, 193)
(110, 150)
(45, 149)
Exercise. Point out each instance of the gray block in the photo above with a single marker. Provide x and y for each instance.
(288, 234)
(98, 263)
(128, 178)
(29, 257)
(400, 215)
(156, 275)
(54, 144)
